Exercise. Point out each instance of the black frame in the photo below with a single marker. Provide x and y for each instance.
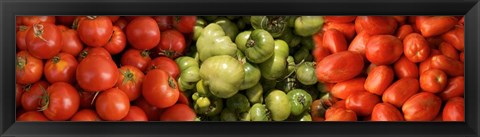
(10, 8)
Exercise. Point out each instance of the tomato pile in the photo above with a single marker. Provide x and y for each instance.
(240, 68)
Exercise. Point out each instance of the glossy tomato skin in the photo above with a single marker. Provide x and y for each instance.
(135, 114)
(178, 112)
(63, 102)
(86, 115)
(359, 43)
(71, 43)
(450, 66)
(20, 38)
(89, 51)
(347, 29)
(400, 91)
(405, 68)
(433, 80)
(117, 42)
(400, 19)
(403, 31)
(362, 103)
(455, 37)
(334, 40)
(32, 95)
(319, 51)
(86, 98)
(32, 116)
(97, 73)
(379, 79)
(143, 33)
(346, 88)
(164, 22)
(43, 40)
(32, 20)
(112, 104)
(61, 68)
(160, 89)
(435, 25)
(339, 67)
(28, 69)
(340, 114)
(339, 19)
(172, 44)
(448, 50)
(151, 111)
(375, 25)
(454, 110)
(423, 106)
(185, 24)
(455, 88)
(415, 47)
(386, 112)
(121, 23)
(166, 64)
(383, 49)
(425, 65)
(130, 81)
(136, 58)
(95, 31)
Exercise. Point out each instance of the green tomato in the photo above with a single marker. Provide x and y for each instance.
(291, 39)
(276, 65)
(198, 28)
(308, 43)
(278, 104)
(230, 28)
(210, 18)
(287, 84)
(255, 94)
(214, 109)
(241, 40)
(185, 86)
(311, 89)
(273, 24)
(252, 76)
(300, 101)
(302, 54)
(228, 115)
(190, 75)
(306, 73)
(257, 45)
(322, 87)
(291, 21)
(185, 62)
(305, 117)
(258, 112)
(202, 90)
(290, 67)
(238, 103)
(213, 42)
(308, 25)
(222, 75)
(195, 96)
(246, 19)
(244, 116)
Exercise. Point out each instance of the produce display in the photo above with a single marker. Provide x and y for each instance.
(240, 68)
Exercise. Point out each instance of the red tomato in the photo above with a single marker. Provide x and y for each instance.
(18, 94)
(334, 40)
(32, 95)
(61, 103)
(403, 31)
(61, 68)
(423, 106)
(361, 103)
(183, 99)
(90, 51)
(86, 98)
(339, 19)
(65, 20)
(319, 52)
(448, 50)
(185, 24)
(114, 18)
(143, 33)
(178, 112)
(32, 116)
(405, 68)
(130, 81)
(379, 79)
(455, 37)
(383, 49)
(172, 44)
(317, 110)
(20, 38)
(339, 67)
(121, 23)
(164, 22)
(160, 89)
(435, 25)
(454, 110)
(400, 19)
(77, 21)
(375, 25)
(97, 73)
(31, 20)
(400, 91)
(152, 112)
(359, 43)
(112, 104)
(340, 114)
(44, 40)
(455, 88)
(71, 43)
(346, 88)
(348, 29)
(386, 112)
(166, 64)
(462, 21)
(117, 42)
(415, 47)
(433, 80)
(135, 114)
(85, 115)
(425, 65)
(136, 58)
(462, 57)
(448, 65)
(28, 69)
(339, 104)
(95, 31)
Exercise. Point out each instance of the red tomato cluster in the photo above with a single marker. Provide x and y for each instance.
(391, 68)
(94, 68)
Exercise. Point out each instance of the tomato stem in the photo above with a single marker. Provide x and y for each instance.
(55, 59)
(38, 31)
(21, 62)
(94, 97)
(45, 100)
(171, 82)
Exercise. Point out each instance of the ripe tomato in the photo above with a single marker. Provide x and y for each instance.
(97, 73)
(346, 88)
(112, 104)
(65, 20)
(172, 44)
(117, 42)
(347, 29)
(359, 43)
(28, 69)
(379, 79)
(85, 115)
(89, 51)
(160, 89)
(462, 21)
(448, 50)
(164, 22)
(95, 31)
(455, 37)
(183, 99)
(383, 49)
(375, 25)
(340, 114)
(433, 80)
(143, 33)
(136, 58)
(462, 57)
(166, 64)
(152, 112)
(121, 23)
(86, 98)
(362, 103)
(423, 106)
(135, 114)
(178, 112)
(32, 20)
(32, 95)
(400, 19)
(448, 65)
(339, 67)
(18, 94)
(20, 38)
(386, 112)
(44, 40)
(400, 91)
(319, 51)
(185, 24)
(415, 47)
(454, 110)
(71, 44)
(403, 31)
(130, 81)
(339, 19)
(455, 88)
(405, 68)
(61, 103)
(32, 116)
(425, 65)
(334, 40)
(113, 18)
(61, 68)
(434, 25)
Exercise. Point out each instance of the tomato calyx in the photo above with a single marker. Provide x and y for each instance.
(177, 18)
(171, 82)
(21, 62)
(128, 76)
(83, 54)
(168, 53)
(250, 43)
(22, 28)
(38, 31)
(274, 24)
(45, 100)
(56, 59)
(145, 53)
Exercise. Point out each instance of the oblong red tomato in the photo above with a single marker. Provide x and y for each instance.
(32, 20)
(400, 91)
(339, 19)
(20, 38)
(386, 112)
(423, 106)
(117, 42)
(28, 69)
(361, 103)
(319, 51)
(160, 89)
(135, 114)
(339, 67)
(348, 29)
(96, 73)
(71, 43)
(433, 80)
(400, 19)
(178, 112)
(435, 25)
(340, 114)
(130, 81)
(152, 112)
(383, 49)
(143, 33)
(346, 88)
(166, 64)
(95, 31)
(32, 116)
(359, 43)
(172, 44)
(334, 40)
(425, 65)
(455, 88)
(32, 95)
(403, 31)
(112, 104)
(448, 65)
(86, 115)
(405, 68)
(61, 68)
(379, 79)
(375, 25)
(448, 50)
(136, 58)
(90, 51)
(62, 102)
(44, 40)
(454, 110)
(415, 47)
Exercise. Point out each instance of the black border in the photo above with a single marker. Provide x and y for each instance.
(10, 8)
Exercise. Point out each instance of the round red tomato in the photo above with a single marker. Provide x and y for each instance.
(130, 81)
(362, 103)
(383, 49)
(71, 43)
(32, 95)
(183, 99)
(32, 20)
(20, 38)
(172, 44)
(400, 91)
(334, 40)
(433, 80)
(185, 24)
(403, 31)
(435, 25)
(121, 23)
(454, 110)
(97, 73)
(117, 42)
(86, 98)
(113, 18)
(378, 79)
(61, 103)
(166, 64)
(448, 50)
(405, 68)
(18, 94)
(178, 112)
(136, 58)
(85, 115)
(375, 25)
(339, 67)
(164, 22)
(448, 65)
(112, 104)
(135, 114)
(44, 40)
(32, 116)
(345, 88)
(61, 68)
(95, 31)
(28, 69)
(340, 114)
(94, 51)
(415, 47)
(386, 112)
(151, 111)
(143, 33)
(160, 89)
(423, 106)
(455, 88)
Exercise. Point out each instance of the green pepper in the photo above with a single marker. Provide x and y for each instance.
(230, 28)
(254, 94)
(306, 73)
(238, 103)
(213, 42)
(222, 75)
(258, 112)
(273, 24)
(278, 104)
(276, 65)
(257, 45)
(198, 28)
(300, 101)
(308, 25)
